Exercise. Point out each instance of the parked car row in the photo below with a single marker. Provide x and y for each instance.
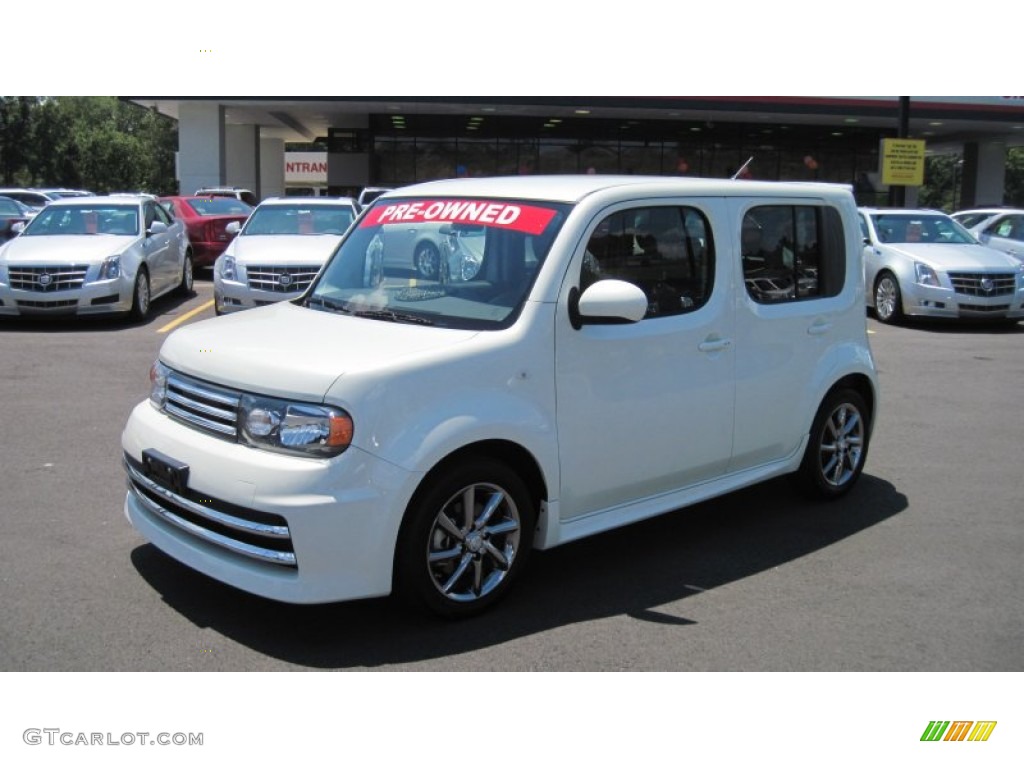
(37, 199)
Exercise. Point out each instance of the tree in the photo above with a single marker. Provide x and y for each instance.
(15, 137)
(98, 143)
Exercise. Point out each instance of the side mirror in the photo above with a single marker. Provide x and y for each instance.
(156, 228)
(607, 301)
(17, 228)
(232, 228)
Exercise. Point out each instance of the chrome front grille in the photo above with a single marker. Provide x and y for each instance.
(62, 277)
(257, 535)
(206, 407)
(983, 284)
(291, 279)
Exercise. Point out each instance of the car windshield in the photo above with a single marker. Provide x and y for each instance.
(920, 228)
(446, 262)
(219, 206)
(58, 219)
(299, 219)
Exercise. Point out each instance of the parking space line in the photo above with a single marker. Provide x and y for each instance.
(178, 321)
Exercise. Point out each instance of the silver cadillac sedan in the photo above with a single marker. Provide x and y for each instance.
(95, 255)
(923, 263)
(279, 251)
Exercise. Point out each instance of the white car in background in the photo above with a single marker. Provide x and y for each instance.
(1000, 228)
(923, 263)
(279, 250)
(95, 255)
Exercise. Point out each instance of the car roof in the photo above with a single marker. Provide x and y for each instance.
(990, 211)
(574, 188)
(904, 211)
(87, 202)
(336, 201)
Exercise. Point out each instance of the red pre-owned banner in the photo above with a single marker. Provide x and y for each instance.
(530, 219)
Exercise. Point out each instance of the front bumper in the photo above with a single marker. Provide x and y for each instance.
(288, 528)
(939, 302)
(101, 297)
(231, 296)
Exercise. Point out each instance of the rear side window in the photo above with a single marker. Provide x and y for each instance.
(666, 251)
(792, 253)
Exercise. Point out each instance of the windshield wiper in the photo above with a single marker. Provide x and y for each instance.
(328, 304)
(394, 317)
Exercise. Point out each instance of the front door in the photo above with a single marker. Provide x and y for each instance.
(646, 408)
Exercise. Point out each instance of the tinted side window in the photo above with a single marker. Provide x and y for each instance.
(666, 251)
(792, 252)
(1008, 226)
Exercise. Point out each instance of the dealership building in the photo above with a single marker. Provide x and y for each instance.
(344, 143)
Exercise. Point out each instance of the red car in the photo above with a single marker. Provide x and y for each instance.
(205, 220)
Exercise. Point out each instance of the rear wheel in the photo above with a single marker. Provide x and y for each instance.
(464, 539)
(838, 446)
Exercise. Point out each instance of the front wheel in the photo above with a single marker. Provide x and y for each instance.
(140, 296)
(838, 446)
(888, 299)
(187, 284)
(464, 539)
(427, 260)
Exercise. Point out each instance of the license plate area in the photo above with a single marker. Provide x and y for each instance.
(165, 471)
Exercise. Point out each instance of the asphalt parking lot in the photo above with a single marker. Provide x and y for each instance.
(916, 569)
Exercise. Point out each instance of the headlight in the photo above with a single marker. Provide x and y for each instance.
(1020, 278)
(110, 268)
(227, 267)
(296, 428)
(158, 384)
(925, 274)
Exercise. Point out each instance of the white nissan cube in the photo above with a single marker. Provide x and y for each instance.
(623, 347)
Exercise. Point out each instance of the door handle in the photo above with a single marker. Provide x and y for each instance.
(714, 345)
(820, 328)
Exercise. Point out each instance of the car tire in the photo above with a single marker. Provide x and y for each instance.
(186, 287)
(838, 445)
(888, 299)
(454, 567)
(427, 260)
(141, 297)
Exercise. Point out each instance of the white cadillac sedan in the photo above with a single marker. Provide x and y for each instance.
(923, 263)
(279, 251)
(95, 255)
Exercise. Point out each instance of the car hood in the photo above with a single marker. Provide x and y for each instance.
(953, 257)
(289, 351)
(267, 250)
(65, 249)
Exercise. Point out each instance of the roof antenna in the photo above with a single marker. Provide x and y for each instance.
(742, 168)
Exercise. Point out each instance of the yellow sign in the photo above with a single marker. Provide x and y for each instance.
(902, 162)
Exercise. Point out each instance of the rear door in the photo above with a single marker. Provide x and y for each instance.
(790, 311)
